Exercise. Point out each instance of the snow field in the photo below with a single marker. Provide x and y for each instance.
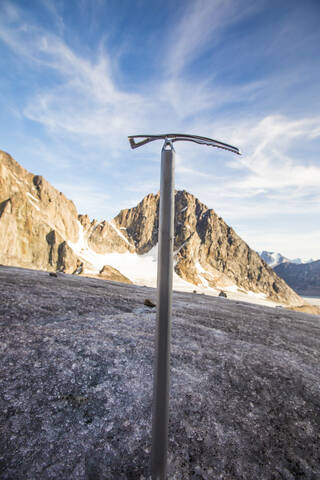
(142, 270)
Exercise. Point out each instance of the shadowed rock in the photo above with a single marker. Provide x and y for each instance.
(304, 278)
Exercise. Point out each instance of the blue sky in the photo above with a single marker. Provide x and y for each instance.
(77, 77)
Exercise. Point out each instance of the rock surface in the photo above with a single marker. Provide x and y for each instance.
(304, 278)
(76, 384)
(102, 237)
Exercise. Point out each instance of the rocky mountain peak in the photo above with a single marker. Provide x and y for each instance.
(140, 224)
(40, 228)
(208, 252)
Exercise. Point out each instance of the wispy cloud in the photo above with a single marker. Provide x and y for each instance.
(267, 160)
(86, 101)
(199, 27)
(83, 106)
(87, 197)
(54, 15)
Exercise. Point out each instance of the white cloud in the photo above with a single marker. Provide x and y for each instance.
(267, 161)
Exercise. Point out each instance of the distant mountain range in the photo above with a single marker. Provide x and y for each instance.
(303, 278)
(274, 258)
(40, 228)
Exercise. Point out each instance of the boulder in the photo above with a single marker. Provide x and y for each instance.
(110, 273)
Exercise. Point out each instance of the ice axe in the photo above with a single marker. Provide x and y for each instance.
(160, 406)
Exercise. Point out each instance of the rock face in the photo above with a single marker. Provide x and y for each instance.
(35, 220)
(103, 237)
(140, 224)
(38, 224)
(77, 372)
(40, 228)
(304, 278)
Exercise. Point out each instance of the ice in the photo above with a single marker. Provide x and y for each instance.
(77, 375)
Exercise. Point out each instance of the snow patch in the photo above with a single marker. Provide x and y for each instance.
(33, 204)
(200, 268)
(118, 232)
(204, 281)
(19, 181)
(32, 197)
(232, 288)
(141, 269)
(177, 251)
(257, 295)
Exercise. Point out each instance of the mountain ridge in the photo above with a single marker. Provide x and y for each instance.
(40, 228)
(275, 258)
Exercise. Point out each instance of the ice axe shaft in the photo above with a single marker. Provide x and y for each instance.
(160, 414)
